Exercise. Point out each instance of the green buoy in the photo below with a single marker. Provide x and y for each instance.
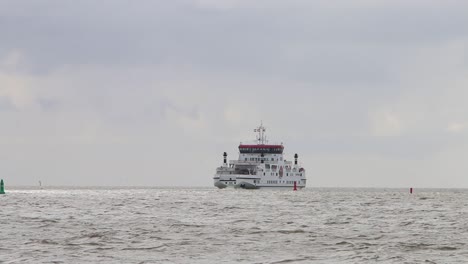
(2, 188)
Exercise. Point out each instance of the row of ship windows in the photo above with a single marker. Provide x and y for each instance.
(261, 150)
(287, 174)
(276, 182)
(259, 159)
(271, 173)
(269, 182)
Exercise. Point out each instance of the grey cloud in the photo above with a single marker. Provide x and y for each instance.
(6, 104)
(248, 40)
(137, 84)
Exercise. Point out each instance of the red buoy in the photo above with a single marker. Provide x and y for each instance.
(411, 190)
(295, 186)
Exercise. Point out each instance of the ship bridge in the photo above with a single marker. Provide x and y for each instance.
(259, 149)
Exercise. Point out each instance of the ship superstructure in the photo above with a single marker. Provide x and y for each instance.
(260, 165)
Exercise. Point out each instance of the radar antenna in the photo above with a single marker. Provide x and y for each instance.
(261, 137)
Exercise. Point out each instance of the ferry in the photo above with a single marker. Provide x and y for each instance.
(260, 165)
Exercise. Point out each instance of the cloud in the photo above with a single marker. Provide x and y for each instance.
(366, 89)
(386, 124)
(12, 60)
(456, 127)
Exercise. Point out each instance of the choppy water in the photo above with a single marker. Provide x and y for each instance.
(233, 226)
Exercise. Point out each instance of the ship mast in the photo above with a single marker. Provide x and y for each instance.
(261, 137)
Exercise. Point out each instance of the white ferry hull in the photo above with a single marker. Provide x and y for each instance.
(263, 187)
(243, 182)
(221, 185)
(246, 185)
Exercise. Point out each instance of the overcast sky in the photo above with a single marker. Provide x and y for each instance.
(369, 93)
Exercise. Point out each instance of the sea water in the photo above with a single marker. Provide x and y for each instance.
(208, 225)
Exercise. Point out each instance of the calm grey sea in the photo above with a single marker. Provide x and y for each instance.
(207, 225)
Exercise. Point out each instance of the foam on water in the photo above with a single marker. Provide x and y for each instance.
(225, 226)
